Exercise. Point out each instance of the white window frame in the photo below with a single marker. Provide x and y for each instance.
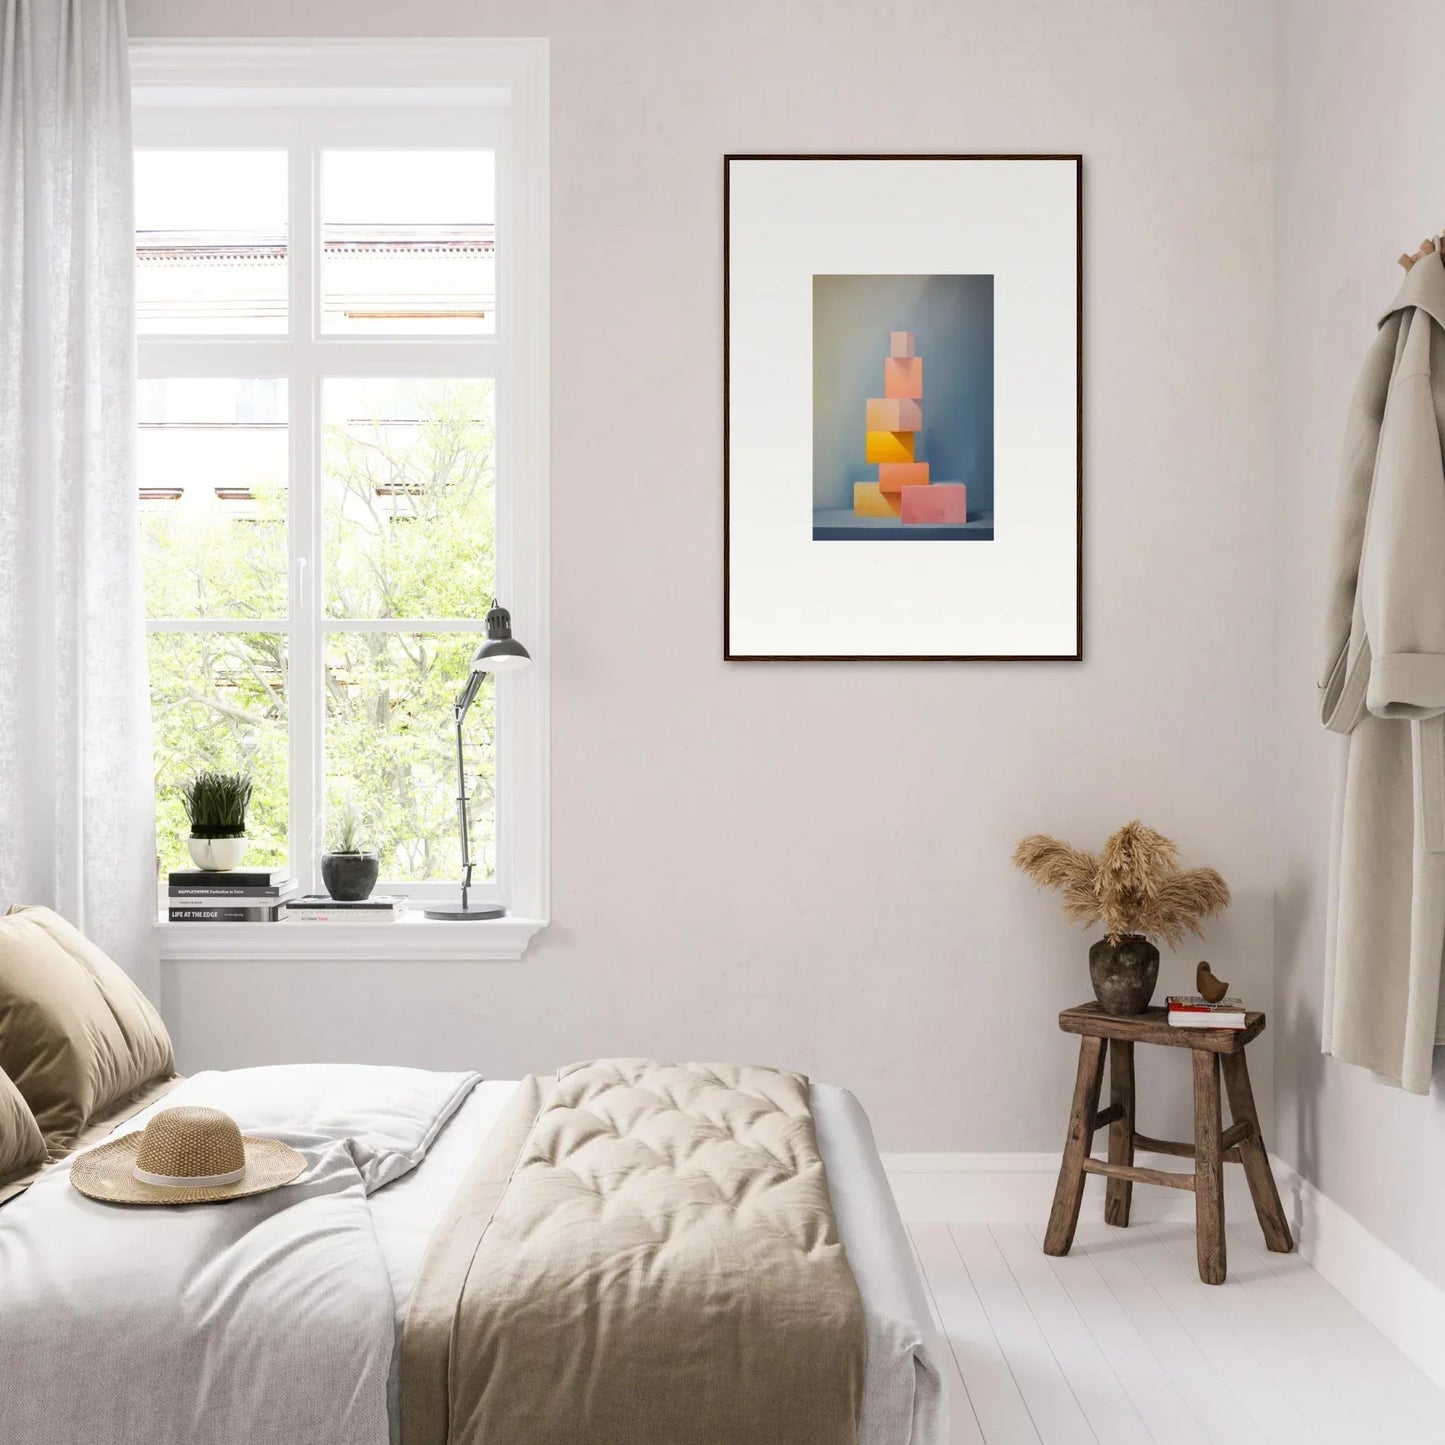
(301, 96)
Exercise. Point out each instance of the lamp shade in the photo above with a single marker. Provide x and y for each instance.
(501, 652)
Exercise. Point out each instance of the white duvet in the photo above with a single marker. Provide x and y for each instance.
(261, 1321)
(274, 1319)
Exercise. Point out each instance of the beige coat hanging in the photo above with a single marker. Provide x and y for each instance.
(1385, 688)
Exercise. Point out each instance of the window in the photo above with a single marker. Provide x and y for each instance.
(340, 270)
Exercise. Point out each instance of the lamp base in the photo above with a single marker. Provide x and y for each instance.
(455, 913)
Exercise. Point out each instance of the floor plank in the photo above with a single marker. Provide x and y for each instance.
(1160, 1405)
(1051, 1403)
(1091, 1376)
(963, 1426)
(1309, 1349)
(1119, 1343)
(989, 1394)
(1208, 1395)
(1274, 1377)
(1193, 1305)
(1390, 1391)
(927, 1287)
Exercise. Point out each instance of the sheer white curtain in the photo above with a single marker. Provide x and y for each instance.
(76, 807)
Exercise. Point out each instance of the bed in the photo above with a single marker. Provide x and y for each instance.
(123, 1335)
(623, 1252)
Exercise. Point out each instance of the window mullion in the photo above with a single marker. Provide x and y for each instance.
(408, 624)
(305, 691)
(409, 356)
(217, 624)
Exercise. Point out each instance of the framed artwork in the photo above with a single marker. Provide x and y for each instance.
(902, 408)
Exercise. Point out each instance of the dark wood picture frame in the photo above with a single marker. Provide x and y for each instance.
(1078, 654)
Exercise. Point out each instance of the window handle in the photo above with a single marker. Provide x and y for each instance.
(301, 581)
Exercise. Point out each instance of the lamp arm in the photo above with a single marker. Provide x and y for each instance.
(460, 707)
(468, 694)
(460, 712)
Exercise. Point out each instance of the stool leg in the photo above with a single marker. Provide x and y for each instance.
(1208, 1169)
(1069, 1193)
(1255, 1158)
(1119, 1193)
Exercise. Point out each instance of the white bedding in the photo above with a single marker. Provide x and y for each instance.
(902, 1396)
(272, 1319)
(263, 1321)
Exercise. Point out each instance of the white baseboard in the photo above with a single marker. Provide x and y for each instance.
(1407, 1308)
(1017, 1188)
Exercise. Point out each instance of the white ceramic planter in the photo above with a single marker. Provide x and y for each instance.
(217, 855)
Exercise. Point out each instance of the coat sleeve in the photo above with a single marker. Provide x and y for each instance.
(1402, 566)
(1345, 675)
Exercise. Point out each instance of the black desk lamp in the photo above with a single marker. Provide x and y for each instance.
(501, 652)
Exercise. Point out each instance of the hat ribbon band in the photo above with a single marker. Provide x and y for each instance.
(189, 1181)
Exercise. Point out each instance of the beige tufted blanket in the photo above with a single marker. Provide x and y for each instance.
(643, 1254)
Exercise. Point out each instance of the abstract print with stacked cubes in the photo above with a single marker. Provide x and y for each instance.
(900, 454)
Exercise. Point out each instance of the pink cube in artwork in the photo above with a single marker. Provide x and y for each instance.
(900, 343)
(942, 502)
(903, 377)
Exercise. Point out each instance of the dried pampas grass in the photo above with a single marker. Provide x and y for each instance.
(1135, 885)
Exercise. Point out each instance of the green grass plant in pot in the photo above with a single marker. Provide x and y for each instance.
(1135, 887)
(349, 870)
(216, 804)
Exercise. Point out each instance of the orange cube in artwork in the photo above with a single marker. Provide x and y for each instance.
(903, 377)
(894, 476)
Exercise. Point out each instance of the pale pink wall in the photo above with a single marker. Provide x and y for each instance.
(807, 864)
(1361, 179)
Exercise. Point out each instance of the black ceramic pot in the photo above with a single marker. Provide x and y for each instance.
(1124, 973)
(350, 877)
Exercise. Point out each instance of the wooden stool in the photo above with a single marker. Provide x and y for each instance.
(1241, 1143)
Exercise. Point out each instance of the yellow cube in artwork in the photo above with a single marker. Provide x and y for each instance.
(889, 446)
(869, 501)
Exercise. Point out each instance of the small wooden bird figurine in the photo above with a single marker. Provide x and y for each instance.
(1208, 986)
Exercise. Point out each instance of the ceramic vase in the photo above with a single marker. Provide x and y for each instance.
(1124, 973)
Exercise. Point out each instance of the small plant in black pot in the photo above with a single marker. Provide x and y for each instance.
(349, 871)
(216, 805)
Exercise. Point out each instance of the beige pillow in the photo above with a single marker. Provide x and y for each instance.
(21, 1147)
(76, 1035)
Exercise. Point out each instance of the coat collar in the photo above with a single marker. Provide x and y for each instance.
(1423, 288)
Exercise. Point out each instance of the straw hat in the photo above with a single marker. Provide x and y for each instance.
(186, 1155)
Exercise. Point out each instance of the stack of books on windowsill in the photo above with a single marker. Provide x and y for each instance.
(319, 908)
(1192, 1011)
(244, 895)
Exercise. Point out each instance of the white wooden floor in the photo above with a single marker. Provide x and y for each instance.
(1120, 1343)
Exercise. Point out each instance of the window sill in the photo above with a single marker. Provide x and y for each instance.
(411, 937)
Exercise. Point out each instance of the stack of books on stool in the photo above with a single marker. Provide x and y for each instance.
(321, 908)
(249, 895)
(1194, 1011)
